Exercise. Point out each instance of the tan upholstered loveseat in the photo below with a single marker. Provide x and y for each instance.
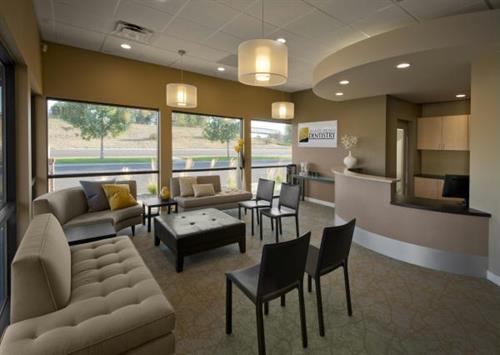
(70, 208)
(223, 199)
(94, 298)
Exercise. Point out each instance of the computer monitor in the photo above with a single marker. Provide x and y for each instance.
(457, 186)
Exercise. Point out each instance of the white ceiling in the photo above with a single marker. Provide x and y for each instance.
(210, 30)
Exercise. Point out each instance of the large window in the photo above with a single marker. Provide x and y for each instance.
(94, 141)
(271, 151)
(204, 145)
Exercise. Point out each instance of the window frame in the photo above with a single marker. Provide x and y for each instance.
(8, 208)
(195, 170)
(102, 173)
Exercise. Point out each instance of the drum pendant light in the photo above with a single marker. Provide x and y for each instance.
(262, 62)
(282, 110)
(182, 95)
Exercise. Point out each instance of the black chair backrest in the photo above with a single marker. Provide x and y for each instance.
(265, 190)
(290, 196)
(282, 265)
(335, 245)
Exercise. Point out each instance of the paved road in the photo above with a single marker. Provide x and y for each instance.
(140, 152)
(178, 164)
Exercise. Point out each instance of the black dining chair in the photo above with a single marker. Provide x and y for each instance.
(263, 199)
(332, 254)
(280, 271)
(288, 206)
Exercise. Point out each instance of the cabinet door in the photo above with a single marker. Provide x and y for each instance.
(426, 188)
(429, 135)
(456, 132)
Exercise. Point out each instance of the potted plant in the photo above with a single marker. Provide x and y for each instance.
(349, 142)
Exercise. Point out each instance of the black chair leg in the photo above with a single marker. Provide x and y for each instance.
(229, 306)
(272, 224)
(281, 227)
(297, 225)
(261, 226)
(257, 213)
(309, 283)
(303, 326)
(277, 230)
(252, 211)
(347, 290)
(239, 212)
(283, 301)
(133, 230)
(320, 307)
(260, 330)
(266, 308)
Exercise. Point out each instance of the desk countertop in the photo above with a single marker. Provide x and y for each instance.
(436, 205)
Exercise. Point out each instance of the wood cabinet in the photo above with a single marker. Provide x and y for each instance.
(430, 188)
(443, 133)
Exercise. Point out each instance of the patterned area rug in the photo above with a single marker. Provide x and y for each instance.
(398, 308)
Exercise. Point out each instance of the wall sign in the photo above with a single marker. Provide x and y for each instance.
(322, 134)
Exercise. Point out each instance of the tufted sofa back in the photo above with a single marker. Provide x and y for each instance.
(41, 270)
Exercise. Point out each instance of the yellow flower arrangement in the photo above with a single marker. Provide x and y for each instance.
(239, 146)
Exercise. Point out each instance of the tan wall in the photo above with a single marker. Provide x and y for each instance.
(19, 34)
(445, 162)
(398, 109)
(79, 74)
(485, 148)
(365, 118)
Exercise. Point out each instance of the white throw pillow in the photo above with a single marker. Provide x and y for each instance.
(186, 185)
(201, 190)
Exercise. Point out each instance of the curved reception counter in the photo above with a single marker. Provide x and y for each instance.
(440, 235)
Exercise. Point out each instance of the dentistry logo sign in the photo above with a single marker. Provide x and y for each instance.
(322, 134)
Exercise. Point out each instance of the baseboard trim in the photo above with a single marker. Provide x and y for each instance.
(320, 202)
(493, 278)
(441, 260)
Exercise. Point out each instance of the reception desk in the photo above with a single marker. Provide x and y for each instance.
(441, 235)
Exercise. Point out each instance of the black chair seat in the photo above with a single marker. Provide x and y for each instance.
(247, 280)
(279, 212)
(255, 204)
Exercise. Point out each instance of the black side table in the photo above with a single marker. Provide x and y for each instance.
(156, 202)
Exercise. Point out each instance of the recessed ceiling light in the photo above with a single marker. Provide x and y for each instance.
(403, 65)
(460, 95)
(126, 46)
(339, 93)
(221, 69)
(282, 40)
(344, 82)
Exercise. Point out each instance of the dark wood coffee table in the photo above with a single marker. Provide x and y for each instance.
(192, 232)
(89, 232)
(156, 202)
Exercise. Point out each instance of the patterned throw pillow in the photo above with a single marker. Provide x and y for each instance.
(201, 190)
(119, 196)
(186, 185)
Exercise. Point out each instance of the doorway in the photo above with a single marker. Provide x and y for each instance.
(402, 157)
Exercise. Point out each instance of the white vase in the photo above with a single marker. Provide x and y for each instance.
(350, 161)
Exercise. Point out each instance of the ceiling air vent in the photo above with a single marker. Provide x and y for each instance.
(133, 32)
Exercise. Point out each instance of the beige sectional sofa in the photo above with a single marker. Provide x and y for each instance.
(70, 208)
(223, 199)
(94, 298)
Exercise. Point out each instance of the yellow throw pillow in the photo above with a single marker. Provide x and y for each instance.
(119, 196)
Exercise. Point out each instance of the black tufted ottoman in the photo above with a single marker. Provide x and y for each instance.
(195, 231)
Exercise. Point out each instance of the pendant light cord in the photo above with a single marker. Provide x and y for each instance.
(181, 53)
(262, 17)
